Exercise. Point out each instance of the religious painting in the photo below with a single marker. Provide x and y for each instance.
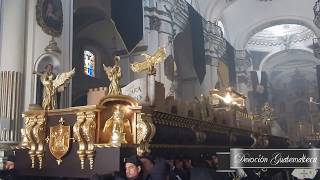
(50, 16)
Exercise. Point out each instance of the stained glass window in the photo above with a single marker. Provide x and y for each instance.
(89, 63)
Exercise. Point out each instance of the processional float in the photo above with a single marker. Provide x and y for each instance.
(81, 141)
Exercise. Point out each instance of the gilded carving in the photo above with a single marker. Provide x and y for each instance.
(114, 75)
(39, 136)
(117, 128)
(59, 140)
(30, 123)
(89, 129)
(33, 137)
(50, 84)
(84, 132)
(149, 62)
(145, 132)
(78, 137)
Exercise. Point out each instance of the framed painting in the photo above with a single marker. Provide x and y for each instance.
(50, 17)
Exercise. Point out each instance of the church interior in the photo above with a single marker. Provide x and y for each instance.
(86, 85)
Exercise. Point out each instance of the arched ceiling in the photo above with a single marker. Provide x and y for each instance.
(289, 59)
(282, 36)
(242, 19)
(104, 33)
(283, 65)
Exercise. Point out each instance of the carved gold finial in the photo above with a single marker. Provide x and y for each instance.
(114, 75)
(149, 62)
(61, 121)
(51, 83)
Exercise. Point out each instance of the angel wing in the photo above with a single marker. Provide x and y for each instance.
(62, 78)
(140, 66)
(149, 61)
(158, 56)
(107, 70)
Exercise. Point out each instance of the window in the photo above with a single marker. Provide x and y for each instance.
(89, 63)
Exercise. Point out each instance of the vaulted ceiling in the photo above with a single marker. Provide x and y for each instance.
(268, 27)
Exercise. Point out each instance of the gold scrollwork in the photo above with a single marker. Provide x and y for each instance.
(33, 137)
(39, 136)
(145, 132)
(78, 137)
(89, 129)
(84, 133)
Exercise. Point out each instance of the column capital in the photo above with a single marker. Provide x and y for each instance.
(215, 44)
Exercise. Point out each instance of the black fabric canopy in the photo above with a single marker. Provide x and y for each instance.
(197, 36)
(127, 16)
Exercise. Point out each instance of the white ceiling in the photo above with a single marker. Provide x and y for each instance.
(244, 18)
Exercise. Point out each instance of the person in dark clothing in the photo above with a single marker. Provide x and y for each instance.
(133, 167)
(102, 177)
(179, 171)
(9, 172)
(160, 171)
(147, 166)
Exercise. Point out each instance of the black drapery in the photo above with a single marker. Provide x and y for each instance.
(199, 60)
(229, 58)
(127, 16)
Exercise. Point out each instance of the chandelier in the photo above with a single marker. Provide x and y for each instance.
(229, 97)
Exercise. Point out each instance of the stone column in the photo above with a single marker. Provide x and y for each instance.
(164, 20)
(65, 43)
(215, 48)
(243, 63)
(211, 77)
(11, 68)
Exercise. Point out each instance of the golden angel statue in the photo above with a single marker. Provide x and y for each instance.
(149, 62)
(51, 83)
(114, 75)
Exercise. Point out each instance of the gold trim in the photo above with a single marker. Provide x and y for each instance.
(110, 98)
(66, 111)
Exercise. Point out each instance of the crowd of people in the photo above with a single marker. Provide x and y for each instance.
(177, 168)
(149, 168)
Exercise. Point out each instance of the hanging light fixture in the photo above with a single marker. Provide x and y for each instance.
(229, 97)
